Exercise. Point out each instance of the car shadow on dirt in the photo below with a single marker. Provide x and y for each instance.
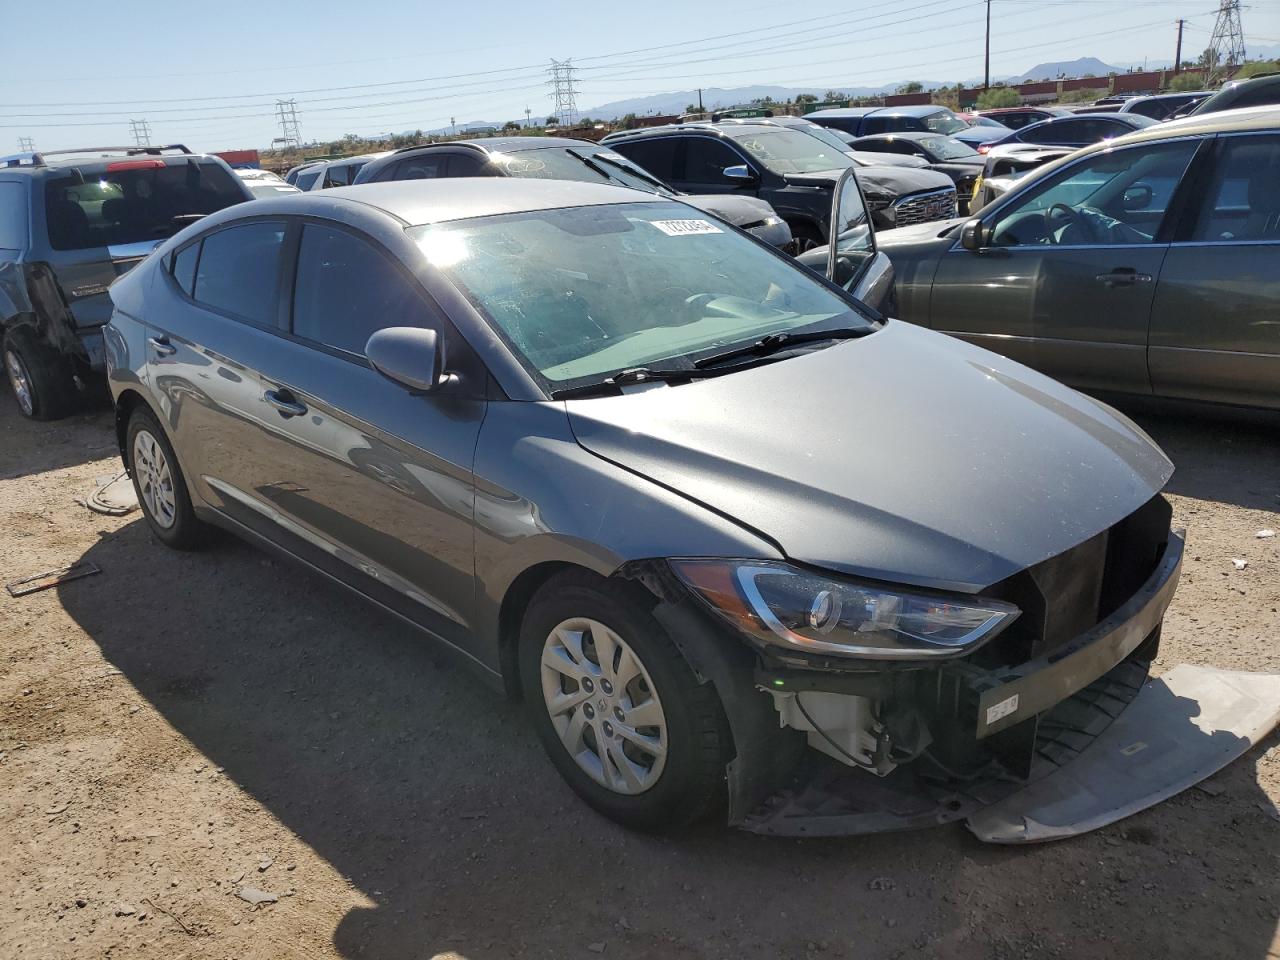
(1222, 455)
(86, 435)
(432, 795)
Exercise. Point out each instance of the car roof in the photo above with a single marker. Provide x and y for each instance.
(417, 202)
(696, 126)
(1241, 119)
(842, 112)
(502, 144)
(95, 157)
(913, 110)
(905, 135)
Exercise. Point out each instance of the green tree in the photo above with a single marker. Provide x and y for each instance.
(510, 125)
(629, 122)
(806, 98)
(1185, 81)
(835, 95)
(913, 86)
(998, 97)
(553, 121)
(1083, 96)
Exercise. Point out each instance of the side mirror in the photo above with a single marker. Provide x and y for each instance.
(740, 172)
(411, 356)
(1138, 197)
(973, 235)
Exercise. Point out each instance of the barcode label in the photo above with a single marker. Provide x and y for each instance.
(685, 228)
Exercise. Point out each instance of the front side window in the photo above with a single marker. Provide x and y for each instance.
(582, 292)
(133, 201)
(1242, 201)
(705, 160)
(1111, 198)
(239, 269)
(785, 151)
(346, 290)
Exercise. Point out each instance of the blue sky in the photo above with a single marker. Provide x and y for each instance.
(207, 75)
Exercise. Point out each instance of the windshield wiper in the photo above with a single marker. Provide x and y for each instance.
(634, 375)
(780, 341)
(627, 168)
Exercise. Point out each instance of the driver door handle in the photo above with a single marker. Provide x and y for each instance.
(1123, 277)
(284, 402)
(162, 346)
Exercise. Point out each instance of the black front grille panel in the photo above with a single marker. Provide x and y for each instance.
(1066, 595)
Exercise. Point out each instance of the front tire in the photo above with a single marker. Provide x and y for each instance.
(39, 377)
(160, 485)
(618, 709)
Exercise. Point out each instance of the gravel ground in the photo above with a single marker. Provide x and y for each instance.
(185, 726)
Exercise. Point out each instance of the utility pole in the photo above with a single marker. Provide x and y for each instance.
(26, 145)
(453, 127)
(141, 132)
(986, 71)
(564, 91)
(528, 117)
(287, 114)
(700, 110)
(1177, 57)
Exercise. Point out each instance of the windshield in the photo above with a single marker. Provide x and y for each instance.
(143, 202)
(831, 138)
(268, 188)
(946, 148)
(786, 151)
(580, 293)
(555, 163)
(944, 121)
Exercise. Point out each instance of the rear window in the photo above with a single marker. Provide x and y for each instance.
(132, 206)
(238, 270)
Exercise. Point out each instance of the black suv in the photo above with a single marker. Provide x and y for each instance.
(792, 171)
(561, 158)
(71, 221)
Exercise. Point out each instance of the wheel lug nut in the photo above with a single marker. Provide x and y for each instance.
(618, 715)
(589, 710)
(606, 686)
(587, 685)
(608, 729)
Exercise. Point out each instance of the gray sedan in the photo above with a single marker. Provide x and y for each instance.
(718, 523)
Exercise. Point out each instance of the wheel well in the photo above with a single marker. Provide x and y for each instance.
(126, 403)
(511, 614)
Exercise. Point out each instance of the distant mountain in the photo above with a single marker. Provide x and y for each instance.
(716, 97)
(1067, 68)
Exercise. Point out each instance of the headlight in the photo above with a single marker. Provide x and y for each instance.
(876, 204)
(785, 606)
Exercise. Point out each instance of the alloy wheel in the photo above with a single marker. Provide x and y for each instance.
(20, 380)
(603, 706)
(155, 479)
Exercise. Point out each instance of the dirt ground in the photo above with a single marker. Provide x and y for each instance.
(185, 725)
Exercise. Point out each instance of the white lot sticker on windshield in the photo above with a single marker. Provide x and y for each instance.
(685, 228)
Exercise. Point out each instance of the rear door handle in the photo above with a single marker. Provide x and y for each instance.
(1123, 277)
(162, 346)
(284, 402)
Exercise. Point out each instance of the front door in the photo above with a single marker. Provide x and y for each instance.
(704, 165)
(1215, 326)
(1065, 280)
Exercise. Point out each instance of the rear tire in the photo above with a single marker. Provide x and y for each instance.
(160, 485)
(39, 377)
(657, 702)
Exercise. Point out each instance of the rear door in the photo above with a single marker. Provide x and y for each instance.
(1067, 281)
(1215, 325)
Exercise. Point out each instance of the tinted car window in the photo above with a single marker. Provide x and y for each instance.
(705, 160)
(184, 266)
(658, 156)
(346, 290)
(428, 166)
(1243, 198)
(306, 180)
(13, 216)
(132, 204)
(1067, 131)
(1260, 96)
(466, 165)
(238, 271)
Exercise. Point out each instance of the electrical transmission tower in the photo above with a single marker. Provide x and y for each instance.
(564, 91)
(141, 132)
(1226, 46)
(287, 114)
(26, 145)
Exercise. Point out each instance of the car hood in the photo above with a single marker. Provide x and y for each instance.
(740, 211)
(962, 164)
(873, 159)
(904, 455)
(899, 181)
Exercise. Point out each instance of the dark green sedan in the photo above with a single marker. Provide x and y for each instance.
(1149, 264)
